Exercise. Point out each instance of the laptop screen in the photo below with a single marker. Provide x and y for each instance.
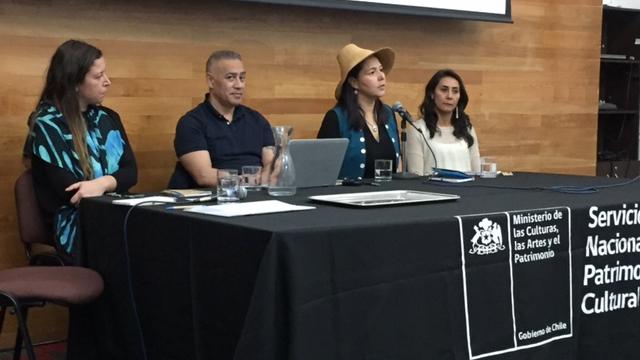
(317, 162)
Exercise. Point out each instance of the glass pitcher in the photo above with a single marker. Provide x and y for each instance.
(282, 179)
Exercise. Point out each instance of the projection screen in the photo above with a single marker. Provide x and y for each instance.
(485, 10)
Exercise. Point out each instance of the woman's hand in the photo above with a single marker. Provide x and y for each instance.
(90, 188)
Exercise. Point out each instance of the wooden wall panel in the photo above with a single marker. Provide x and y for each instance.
(533, 84)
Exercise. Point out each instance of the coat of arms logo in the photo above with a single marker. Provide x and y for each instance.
(488, 238)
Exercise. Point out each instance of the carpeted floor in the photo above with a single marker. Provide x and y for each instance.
(53, 351)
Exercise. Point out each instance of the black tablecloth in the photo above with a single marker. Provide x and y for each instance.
(351, 283)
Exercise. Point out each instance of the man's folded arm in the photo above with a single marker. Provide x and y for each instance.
(198, 165)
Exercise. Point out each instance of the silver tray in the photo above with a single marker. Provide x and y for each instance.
(383, 198)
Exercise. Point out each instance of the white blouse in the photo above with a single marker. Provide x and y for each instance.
(449, 151)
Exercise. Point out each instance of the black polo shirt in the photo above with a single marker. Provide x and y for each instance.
(231, 145)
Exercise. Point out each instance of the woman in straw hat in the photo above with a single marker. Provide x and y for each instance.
(359, 115)
(449, 140)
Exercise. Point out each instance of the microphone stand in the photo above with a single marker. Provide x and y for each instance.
(404, 175)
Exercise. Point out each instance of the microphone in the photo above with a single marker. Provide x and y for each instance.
(406, 118)
(404, 114)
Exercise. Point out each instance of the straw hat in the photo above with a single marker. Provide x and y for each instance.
(351, 55)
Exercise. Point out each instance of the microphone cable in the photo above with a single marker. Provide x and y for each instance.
(125, 240)
(564, 189)
(433, 154)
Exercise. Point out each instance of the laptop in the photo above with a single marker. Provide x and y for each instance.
(317, 162)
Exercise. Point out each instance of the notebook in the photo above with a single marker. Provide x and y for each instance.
(317, 162)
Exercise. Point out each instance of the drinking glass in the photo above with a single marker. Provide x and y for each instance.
(488, 167)
(228, 185)
(382, 170)
(251, 177)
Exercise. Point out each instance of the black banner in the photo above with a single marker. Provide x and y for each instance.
(517, 279)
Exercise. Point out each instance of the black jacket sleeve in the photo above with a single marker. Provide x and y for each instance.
(127, 174)
(330, 127)
(49, 182)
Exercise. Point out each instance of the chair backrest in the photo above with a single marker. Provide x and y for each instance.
(33, 229)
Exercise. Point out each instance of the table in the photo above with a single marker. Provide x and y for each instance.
(396, 282)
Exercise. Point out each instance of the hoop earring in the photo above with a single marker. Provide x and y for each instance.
(457, 113)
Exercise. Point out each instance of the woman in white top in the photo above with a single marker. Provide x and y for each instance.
(447, 139)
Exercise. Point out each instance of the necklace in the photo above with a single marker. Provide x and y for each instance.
(373, 127)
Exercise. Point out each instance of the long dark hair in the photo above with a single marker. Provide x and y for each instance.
(69, 65)
(349, 101)
(461, 123)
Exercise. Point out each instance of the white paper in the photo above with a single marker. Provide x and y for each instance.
(247, 208)
(153, 200)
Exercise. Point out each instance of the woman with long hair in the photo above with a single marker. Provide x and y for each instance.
(360, 115)
(79, 148)
(447, 139)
